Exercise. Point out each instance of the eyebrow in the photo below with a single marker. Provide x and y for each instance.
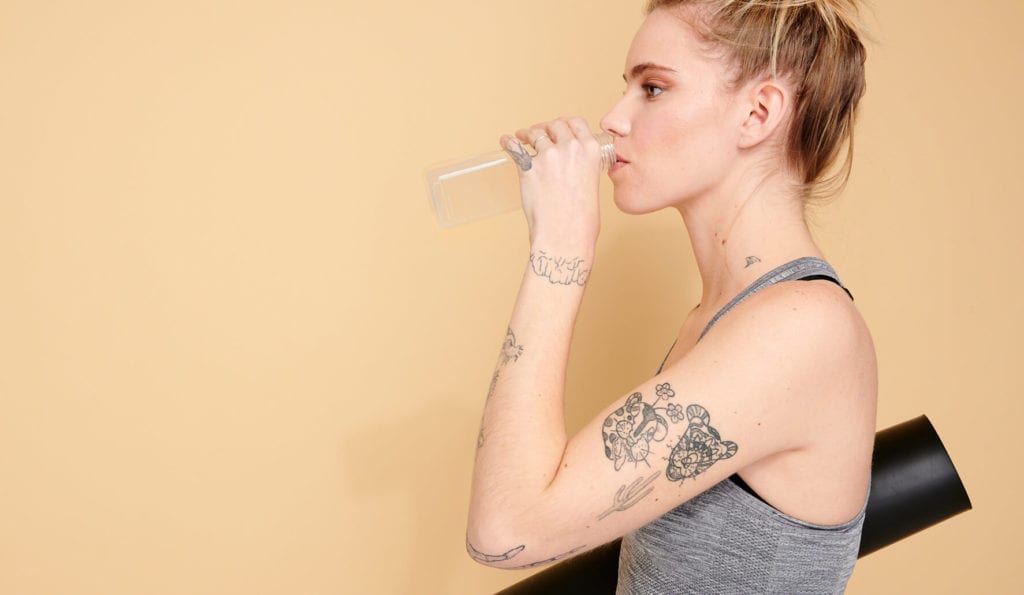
(644, 67)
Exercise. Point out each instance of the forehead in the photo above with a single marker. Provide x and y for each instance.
(666, 38)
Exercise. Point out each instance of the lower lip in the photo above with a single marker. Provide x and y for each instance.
(617, 166)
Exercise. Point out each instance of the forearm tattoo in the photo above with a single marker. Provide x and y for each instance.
(510, 350)
(549, 560)
(494, 383)
(630, 494)
(512, 553)
(559, 270)
(629, 431)
(482, 557)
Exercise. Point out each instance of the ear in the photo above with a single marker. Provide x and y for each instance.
(767, 103)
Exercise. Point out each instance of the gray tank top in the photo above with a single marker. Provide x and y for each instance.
(727, 540)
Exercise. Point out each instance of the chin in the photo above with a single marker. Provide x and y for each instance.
(631, 204)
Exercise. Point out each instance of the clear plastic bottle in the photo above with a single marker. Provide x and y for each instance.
(469, 189)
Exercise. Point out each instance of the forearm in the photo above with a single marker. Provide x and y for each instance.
(522, 436)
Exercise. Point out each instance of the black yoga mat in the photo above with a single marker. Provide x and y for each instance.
(914, 485)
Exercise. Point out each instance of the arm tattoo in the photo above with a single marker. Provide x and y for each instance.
(629, 430)
(512, 553)
(482, 557)
(517, 152)
(628, 495)
(490, 391)
(494, 383)
(558, 270)
(698, 448)
(752, 260)
(510, 351)
(549, 560)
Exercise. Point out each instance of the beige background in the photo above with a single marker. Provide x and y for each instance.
(238, 356)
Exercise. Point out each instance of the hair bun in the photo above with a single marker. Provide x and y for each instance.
(838, 15)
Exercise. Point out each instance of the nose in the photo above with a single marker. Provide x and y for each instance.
(616, 121)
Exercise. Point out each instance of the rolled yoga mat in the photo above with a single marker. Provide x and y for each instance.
(914, 485)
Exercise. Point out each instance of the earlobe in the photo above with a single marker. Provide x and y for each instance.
(768, 101)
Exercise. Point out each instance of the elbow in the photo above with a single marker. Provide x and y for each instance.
(495, 558)
(491, 543)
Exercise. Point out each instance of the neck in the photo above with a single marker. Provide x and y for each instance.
(739, 234)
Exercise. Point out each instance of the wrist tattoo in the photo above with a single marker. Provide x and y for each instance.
(559, 270)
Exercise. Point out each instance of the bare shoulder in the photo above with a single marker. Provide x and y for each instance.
(814, 321)
(815, 354)
(805, 341)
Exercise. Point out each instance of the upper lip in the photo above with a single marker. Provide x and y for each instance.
(619, 158)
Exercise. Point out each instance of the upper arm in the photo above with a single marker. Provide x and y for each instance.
(746, 392)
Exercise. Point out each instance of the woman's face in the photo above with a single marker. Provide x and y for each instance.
(677, 125)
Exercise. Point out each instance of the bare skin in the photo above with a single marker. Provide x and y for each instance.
(782, 391)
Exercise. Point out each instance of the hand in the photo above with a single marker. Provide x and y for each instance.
(559, 184)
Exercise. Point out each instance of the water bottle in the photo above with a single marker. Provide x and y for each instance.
(469, 189)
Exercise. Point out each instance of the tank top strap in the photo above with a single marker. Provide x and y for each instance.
(807, 268)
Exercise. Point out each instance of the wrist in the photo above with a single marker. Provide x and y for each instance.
(561, 264)
(581, 243)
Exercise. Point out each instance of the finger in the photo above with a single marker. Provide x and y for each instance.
(540, 139)
(558, 131)
(527, 136)
(580, 129)
(536, 136)
(517, 151)
(538, 133)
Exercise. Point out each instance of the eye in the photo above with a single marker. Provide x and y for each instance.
(652, 91)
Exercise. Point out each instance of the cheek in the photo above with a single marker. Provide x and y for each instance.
(679, 153)
(689, 152)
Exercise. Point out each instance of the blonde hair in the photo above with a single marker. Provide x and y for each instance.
(813, 44)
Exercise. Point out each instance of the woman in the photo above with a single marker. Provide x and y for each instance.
(743, 465)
